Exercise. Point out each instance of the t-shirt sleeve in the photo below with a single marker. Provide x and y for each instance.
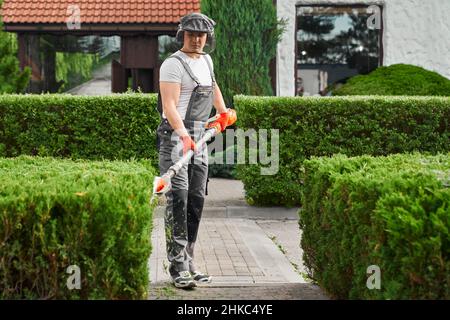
(171, 71)
(210, 61)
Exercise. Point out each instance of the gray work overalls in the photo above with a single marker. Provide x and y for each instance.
(185, 200)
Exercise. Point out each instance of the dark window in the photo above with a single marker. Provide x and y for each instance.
(335, 43)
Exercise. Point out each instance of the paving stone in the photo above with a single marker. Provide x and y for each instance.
(274, 291)
(242, 255)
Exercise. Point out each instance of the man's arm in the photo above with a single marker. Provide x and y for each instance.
(226, 117)
(219, 103)
(170, 94)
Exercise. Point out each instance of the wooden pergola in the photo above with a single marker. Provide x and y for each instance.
(137, 22)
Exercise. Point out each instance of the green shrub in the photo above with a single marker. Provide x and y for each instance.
(225, 169)
(325, 126)
(115, 127)
(396, 80)
(12, 78)
(73, 68)
(58, 213)
(247, 35)
(393, 212)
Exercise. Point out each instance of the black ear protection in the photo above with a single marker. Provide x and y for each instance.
(210, 40)
(197, 22)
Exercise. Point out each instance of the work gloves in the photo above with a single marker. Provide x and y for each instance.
(224, 120)
(188, 144)
(221, 122)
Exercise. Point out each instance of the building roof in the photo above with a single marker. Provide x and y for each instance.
(97, 11)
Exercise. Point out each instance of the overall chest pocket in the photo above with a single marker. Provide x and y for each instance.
(200, 104)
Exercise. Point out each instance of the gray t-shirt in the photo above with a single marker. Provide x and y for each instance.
(172, 70)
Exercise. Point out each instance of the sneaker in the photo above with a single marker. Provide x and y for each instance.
(201, 277)
(183, 280)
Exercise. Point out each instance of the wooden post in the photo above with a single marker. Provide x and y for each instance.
(140, 55)
(29, 57)
(49, 66)
(22, 50)
(119, 80)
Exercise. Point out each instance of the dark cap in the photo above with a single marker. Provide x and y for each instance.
(197, 22)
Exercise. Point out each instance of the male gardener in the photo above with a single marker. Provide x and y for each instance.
(188, 91)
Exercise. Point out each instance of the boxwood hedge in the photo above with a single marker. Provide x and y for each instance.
(392, 212)
(353, 126)
(60, 213)
(114, 127)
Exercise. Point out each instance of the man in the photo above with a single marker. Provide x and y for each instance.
(188, 92)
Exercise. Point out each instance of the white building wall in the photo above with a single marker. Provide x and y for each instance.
(416, 32)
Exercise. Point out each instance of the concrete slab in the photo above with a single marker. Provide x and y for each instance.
(250, 257)
(251, 252)
(99, 85)
(225, 192)
(269, 257)
(273, 213)
(286, 235)
(244, 212)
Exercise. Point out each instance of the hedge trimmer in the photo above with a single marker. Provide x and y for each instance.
(214, 125)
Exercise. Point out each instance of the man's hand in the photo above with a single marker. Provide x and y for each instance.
(188, 144)
(224, 120)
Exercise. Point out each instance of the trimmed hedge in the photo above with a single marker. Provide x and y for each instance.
(115, 127)
(247, 35)
(58, 213)
(396, 80)
(322, 126)
(393, 212)
(224, 169)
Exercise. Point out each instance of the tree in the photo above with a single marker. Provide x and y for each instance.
(356, 46)
(12, 80)
(247, 34)
(311, 38)
(364, 52)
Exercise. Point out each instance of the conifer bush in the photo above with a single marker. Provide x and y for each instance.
(391, 212)
(60, 213)
(322, 126)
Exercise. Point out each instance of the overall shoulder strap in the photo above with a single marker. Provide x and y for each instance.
(210, 70)
(187, 68)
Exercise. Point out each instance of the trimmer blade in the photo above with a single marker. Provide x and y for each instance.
(161, 185)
